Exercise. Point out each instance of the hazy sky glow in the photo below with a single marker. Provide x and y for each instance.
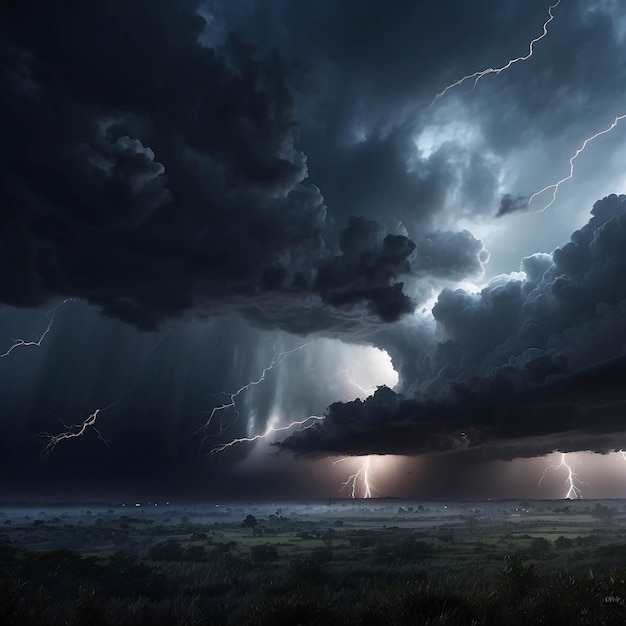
(219, 218)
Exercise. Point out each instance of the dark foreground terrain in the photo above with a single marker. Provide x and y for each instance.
(340, 562)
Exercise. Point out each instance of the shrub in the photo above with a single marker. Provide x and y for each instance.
(264, 553)
(169, 550)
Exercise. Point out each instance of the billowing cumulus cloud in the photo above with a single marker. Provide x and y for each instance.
(231, 172)
(159, 179)
(521, 368)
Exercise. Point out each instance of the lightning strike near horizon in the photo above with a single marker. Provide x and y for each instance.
(491, 70)
(231, 403)
(269, 431)
(571, 481)
(75, 430)
(25, 343)
(555, 186)
(361, 476)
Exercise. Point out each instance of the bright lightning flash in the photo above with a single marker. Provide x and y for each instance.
(555, 186)
(231, 398)
(75, 430)
(572, 482)
(303, 424)
(362, 476)
(360, 481)
(25, 343)
(476, 76)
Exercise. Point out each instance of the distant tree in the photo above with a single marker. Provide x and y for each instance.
(264, 553)
(7, 551)
(169, 550)
(446, 538)
(194, 554)
(321, 555)
(410, 549)
(603, 513)
(249, 522)
(539, 546)
(303, 569)
(563, 543)
(328, 537)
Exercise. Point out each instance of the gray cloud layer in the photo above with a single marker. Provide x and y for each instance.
(526, 366)
(288, 169)
(159, 179)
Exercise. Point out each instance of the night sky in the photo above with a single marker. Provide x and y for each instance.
(197, 197)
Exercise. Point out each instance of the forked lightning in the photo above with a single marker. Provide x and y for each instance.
(362, 476)
(231, 402)
(26, 343)
(476, 76)
(303, 424)
(75, 430)
(572, 481)
(555, 186)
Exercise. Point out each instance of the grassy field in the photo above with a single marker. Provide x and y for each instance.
(340, 562)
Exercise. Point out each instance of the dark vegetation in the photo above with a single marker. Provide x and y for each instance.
(517, 565)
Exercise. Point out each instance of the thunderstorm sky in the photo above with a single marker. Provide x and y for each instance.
(396, 225)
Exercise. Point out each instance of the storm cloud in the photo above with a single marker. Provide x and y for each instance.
(248, 177)
(165, 181)
(530, 364)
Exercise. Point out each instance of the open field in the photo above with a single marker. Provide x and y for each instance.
(335, 562)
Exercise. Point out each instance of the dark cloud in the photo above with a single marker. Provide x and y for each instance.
(520, 367)
(450, 255)
(165, 160)
(509, 204)
(159, 179)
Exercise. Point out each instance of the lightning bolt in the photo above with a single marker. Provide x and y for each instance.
(25, 343)
(572, 481)
(75, 430)
(362, 476)
(476, 76)
(303, 424)
(353, 382)
(231, 398)
(555, 186)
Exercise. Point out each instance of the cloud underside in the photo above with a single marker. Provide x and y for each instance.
(528, 365)
(581, 412)
(167, 182)
(161, 170)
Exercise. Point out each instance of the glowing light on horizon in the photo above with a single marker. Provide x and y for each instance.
(478, 75)
(572, 482)
(361, 476)
(555, 186)
(365, 370)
